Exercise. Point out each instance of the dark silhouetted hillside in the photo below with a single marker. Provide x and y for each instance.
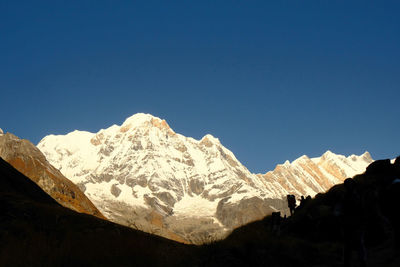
(313, 236)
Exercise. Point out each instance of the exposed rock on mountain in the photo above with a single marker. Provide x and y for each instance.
(144, 175)
(28, 159)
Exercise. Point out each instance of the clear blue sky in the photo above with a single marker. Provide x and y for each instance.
(273, 80)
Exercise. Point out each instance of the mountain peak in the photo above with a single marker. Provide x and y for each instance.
(366, 156)
(328, 154)
(303, 158)
(138, 119)
(141, 119)
(210, 138)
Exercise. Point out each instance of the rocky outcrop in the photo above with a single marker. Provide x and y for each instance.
(28, 159)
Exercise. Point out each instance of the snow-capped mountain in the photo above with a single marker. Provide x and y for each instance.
(144, 175)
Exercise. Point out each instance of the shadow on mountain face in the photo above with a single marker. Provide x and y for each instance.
(33, 224)
(36, 231)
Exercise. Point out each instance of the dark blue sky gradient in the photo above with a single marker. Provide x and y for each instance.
(273, 80)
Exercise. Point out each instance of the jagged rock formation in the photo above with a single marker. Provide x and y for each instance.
(27, 158)
(144, 175)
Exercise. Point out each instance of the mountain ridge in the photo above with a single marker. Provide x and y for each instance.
(27, 158)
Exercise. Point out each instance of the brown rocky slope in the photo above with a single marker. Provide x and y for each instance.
(26, 158)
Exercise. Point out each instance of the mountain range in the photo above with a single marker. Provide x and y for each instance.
(144, 175)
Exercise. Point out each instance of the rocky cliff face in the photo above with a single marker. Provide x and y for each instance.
(27, 158)
(144, 175)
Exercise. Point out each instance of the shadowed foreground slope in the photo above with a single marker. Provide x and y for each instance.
(36, 231)
(313, 236)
